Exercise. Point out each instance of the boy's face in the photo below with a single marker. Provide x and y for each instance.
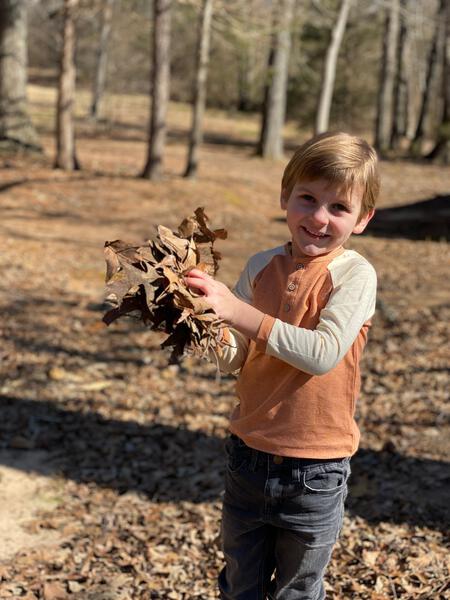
(322, 216)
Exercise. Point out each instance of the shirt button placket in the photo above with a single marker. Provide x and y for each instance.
(292, 286)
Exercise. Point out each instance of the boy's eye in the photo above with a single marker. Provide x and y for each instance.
(341, 207)
(308, 197)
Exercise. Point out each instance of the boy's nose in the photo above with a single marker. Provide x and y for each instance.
(320, 215)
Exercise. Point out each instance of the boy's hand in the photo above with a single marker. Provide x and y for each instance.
(219, 297)
(234, 312)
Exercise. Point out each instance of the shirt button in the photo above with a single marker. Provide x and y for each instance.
(299, 266)
(291, 287)
(287, 307)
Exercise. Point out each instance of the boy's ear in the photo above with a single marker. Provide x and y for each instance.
(363, 222)
(284, 198)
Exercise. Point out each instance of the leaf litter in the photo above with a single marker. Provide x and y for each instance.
(139, 463)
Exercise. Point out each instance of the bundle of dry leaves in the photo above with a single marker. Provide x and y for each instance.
(148, 282)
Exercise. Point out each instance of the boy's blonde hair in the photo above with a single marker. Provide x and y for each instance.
(339, 158)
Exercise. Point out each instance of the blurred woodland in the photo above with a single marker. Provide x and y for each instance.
(378, 68)
(120, 115)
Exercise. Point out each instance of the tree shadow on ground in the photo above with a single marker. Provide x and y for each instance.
(122, 131)
(128, 131)
(84, 176)
(64, 426)
(178, 464)
(426, 219)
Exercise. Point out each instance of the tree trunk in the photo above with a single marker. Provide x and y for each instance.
(65, 137)
(244, 102)
(16, 129)
(274, 107)
(102, 57)
(385, 105)
(441, 151)
(160, 87)
(326, 93)
(247, 63)
(265, 104)
(412, 84)
(399, 122)
(416, 143)
(199, 100)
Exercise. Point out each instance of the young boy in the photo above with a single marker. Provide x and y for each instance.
(298, 321)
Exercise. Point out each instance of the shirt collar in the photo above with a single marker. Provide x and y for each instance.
(312, 259)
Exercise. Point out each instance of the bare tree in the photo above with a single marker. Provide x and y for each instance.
(432, 62)
(102, 57)
(247, 50)
(160, 80)
(441, 150)
(16, 128)
(385, 104)
(399, 121)
(329, 75)
(242, 36)
(274, 105)
(65, 136)
(199, 99)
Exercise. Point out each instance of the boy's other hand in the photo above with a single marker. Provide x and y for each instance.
(219, 297)
(234, 312)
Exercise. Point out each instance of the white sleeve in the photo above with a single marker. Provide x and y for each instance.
(235, 352)
(317, 351)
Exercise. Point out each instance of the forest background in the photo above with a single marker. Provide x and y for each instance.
(111, 459)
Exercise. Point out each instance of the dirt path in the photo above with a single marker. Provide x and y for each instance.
(23, 494)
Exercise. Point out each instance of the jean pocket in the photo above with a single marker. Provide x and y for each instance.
(329, 479)
(238, 454)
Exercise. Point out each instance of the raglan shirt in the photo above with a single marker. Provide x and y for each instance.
(299, 380)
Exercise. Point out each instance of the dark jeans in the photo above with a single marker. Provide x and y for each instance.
(281, 517)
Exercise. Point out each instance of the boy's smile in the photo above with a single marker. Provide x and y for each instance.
(321, 216)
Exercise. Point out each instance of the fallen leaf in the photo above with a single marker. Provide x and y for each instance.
(54, 591)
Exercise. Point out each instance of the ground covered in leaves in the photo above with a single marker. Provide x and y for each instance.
(112, 460)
